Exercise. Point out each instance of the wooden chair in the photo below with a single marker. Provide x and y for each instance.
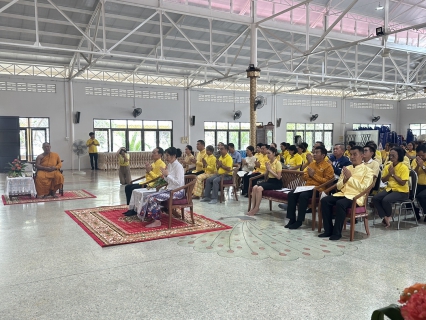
(173, 204)
(229, 183)
(34, 172)
(353, 212)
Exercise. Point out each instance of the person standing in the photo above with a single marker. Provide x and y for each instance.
(93, 145)
(124, 162)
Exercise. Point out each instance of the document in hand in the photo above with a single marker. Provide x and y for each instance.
(304, 188)
(285, 190)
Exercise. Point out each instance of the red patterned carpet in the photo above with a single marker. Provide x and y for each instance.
(108, 226)
(68, 195)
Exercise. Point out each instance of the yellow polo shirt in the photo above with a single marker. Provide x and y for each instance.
(411, 153)
(347, 153)
(92, 148)
(294, 161)
(421, 173)
(276, 167)
(155, 172)
(373, 165)
(211, 164)
(199, 164)
(122, 161)
(403, 173)
(378, 157)
(227, 162)
(262, 158)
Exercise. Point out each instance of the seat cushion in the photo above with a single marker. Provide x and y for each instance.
(358, 210)
(179, 201)
(225, 182)
(275, 194)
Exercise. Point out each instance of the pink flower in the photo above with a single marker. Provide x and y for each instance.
(415, 308)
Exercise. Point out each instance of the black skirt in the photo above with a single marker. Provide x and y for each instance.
(271, 184)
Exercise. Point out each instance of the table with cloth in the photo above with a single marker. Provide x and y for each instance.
(18, 186)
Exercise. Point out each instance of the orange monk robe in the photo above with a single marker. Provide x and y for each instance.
(45, 181)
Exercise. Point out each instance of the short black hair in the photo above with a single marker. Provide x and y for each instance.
(260, 145)
(210, 148)
(372, 143)
(359, 148)
(320, 143)
(292, 148)
(284, 144)
(251, 148)
(226, 147)
(401, 153)
(91, 133)
(302, 146)
(372, 149)
(202, 142)
(305, 145)
(352, 144)
(231, 145)
(323, 150)
(421, 148)
(273, 150)
(172, 151)
(160, 150)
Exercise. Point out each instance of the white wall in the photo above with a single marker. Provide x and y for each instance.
(408, 116)
(58, 108)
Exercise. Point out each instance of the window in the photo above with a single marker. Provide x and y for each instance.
(311, 132)
(418, 128)
(134, 135)
(33, 132)
(236, 132)
(371, 126)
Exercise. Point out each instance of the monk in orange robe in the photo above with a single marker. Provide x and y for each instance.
(48, 179)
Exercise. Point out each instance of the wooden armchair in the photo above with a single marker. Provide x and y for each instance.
(229, 183)
(34, 172)
(173, 204)
(353, 212)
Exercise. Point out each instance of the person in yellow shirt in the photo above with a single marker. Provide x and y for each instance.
(198, 161)
(153, 171)
(93, 145)
(419, 165)
(284, 152)
(260, 168)
(224, 167)
(378, 156)
(318, 172)
(368, 158)
(273, 180)
(396, 174)
(385, 153)
(353, 180)
(294, 160)
(406, 160)
(209, 163)
(348, 148)
(411, 152)
(124, 163)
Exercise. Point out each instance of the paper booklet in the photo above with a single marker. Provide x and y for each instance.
(304, 188)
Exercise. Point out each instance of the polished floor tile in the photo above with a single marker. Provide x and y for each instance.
(51, 269)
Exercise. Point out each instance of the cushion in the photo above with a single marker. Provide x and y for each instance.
(275, 194)
(225, 182)
(179, 201)
(358, 210)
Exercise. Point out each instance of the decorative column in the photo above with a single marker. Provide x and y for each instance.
(253, 73)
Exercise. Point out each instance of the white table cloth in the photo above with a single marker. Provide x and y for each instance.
(20, 186)
(138, 199)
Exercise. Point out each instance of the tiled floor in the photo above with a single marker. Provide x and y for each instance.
(51, 269)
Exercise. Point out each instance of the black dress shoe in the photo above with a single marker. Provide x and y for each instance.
(130, 213)
(295, 225)
(97, 169)
(289, 223)
(335, 237)
(324, 235)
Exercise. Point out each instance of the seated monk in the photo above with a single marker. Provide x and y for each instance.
(48, 179)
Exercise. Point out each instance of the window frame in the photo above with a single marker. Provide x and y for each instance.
(228, 130)
(421, 131)
(302, 133)
(29, 143)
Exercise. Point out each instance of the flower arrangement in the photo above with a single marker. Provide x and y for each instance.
(16, 168)
(158, 183)
(414, 302)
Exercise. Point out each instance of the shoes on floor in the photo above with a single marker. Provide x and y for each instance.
(289, 223)
(205, 200)
(213, 201)
(324, 235)
(282, 206)
(295, 225)
(130, 213)
(335, 237)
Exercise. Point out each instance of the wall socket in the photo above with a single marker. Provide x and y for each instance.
(184, 140)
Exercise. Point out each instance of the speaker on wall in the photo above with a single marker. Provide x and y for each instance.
(77, 117)
(192, 120)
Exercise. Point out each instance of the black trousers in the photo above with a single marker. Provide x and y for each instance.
(303, 199)
(128, 189)
(246, 179)
(383, 201)
(327, 204)
(421, 196)
(94, 160)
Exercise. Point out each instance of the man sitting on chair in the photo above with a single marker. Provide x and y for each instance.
(353, 180)
(316, 173)
(153, 171)
(48, 179)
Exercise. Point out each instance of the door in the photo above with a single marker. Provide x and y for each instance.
(38, 137)
(9, 141)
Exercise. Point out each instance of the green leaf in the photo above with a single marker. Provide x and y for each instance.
(393, 312)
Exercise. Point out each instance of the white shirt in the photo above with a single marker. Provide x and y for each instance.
(249, 166)
(175, 178)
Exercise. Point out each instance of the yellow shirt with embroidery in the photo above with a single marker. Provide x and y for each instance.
(294, 161)
(211, 164)
(199, 164)
(403, 173)
(227, 162)
(154, 173)
(421, 174)
(92, 148)
(323, 172)
(122, 161)
(276, 167)
(262, 158)
(361, 179)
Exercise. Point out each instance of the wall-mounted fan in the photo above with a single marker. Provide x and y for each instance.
(259, 102)
(375, 119)
(237, 114)
(79, 148)
(137, 112)
(313, 117)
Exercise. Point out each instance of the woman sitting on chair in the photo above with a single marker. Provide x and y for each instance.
(294, 160)
(187, 161)
(396, 174)
(174, 175)
(273, 180)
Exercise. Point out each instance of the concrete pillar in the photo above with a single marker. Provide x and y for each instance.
(253, 73)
